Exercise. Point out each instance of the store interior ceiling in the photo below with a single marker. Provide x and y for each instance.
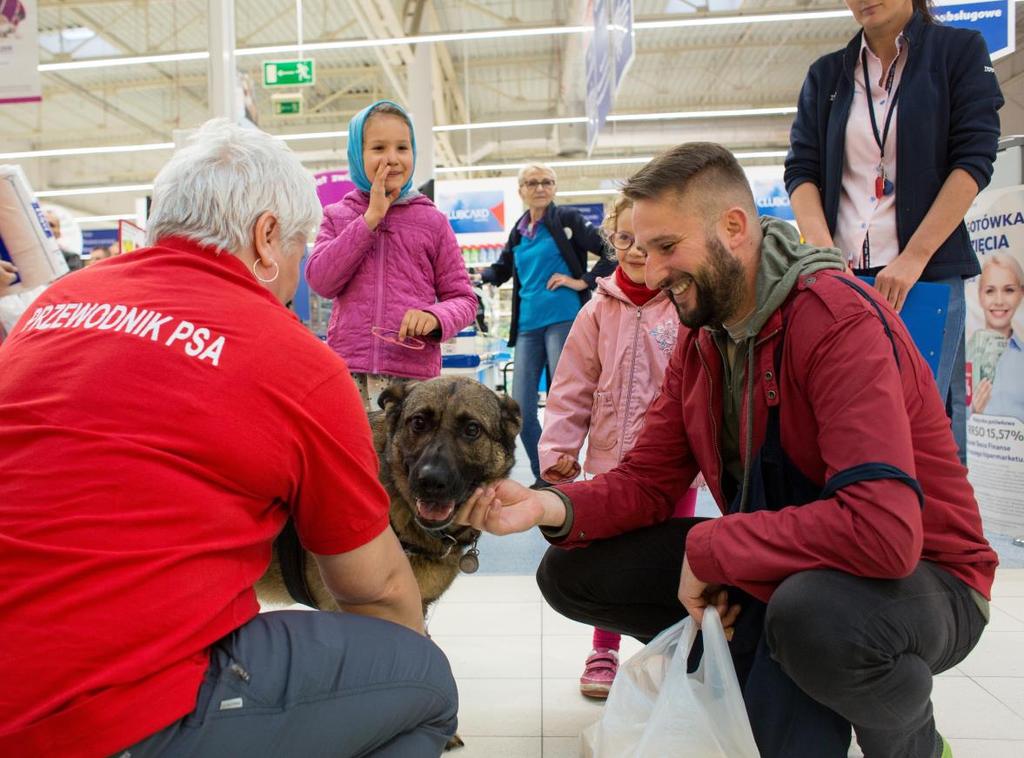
(492, 77)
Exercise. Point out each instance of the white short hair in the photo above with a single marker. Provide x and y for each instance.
(536, 167)
(213, 190)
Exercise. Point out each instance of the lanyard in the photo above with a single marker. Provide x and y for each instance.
(882, 184)
(880, 141)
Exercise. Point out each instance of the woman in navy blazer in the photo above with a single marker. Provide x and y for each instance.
(885, 167)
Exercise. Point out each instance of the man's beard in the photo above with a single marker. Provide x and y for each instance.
(719, 289)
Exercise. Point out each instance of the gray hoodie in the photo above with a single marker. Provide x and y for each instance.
(784, 258)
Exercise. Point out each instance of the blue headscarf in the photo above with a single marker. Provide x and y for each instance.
(355, 147)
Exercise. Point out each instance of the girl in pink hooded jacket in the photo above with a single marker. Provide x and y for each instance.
(609, 374)
(389, 259)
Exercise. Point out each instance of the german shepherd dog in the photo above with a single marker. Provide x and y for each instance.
(437, 440)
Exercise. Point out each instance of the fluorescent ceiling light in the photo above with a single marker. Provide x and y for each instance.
(750, 155)
(138, 60)
(487, 34)
(587, 193)
(87, 150)
(505, 124)
(352, 44)
(632, 160)
(309, 135)
(684, 115)
(115, 217)
(668, 116)
(552, 164)
(758, 18)
(95, 190)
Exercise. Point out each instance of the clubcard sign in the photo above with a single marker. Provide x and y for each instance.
(769, 190)
(476, 212)
(480, 211)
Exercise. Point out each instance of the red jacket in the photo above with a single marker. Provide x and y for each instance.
(843, 402)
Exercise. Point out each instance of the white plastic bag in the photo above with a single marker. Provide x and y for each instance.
(655, 709)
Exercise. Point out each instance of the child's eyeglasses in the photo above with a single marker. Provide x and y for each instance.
(622, 240)
(391, 336)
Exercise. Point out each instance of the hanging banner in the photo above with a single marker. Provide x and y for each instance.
(623, 39)
(995, 359)
(19, 52)
(599, 71)
(995, 19)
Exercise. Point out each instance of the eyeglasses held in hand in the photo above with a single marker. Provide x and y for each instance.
(535, 183)
(391, 336)
(622, 240)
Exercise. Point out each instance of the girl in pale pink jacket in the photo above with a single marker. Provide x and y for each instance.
(388, 258)
(609, 374)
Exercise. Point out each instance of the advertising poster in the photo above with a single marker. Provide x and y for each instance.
(769, 190)
(19, 52)
(995, 359)
(480, 211)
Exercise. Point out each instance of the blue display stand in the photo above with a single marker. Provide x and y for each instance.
(925, 312)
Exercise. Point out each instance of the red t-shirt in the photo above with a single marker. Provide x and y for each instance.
(161, 414)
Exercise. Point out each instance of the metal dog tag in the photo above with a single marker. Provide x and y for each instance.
(470, 562)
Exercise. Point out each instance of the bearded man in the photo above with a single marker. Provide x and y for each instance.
(849, 565)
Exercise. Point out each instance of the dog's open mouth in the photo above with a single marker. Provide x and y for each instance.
(434, 514)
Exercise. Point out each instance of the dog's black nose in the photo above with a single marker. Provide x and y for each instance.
(432, 480)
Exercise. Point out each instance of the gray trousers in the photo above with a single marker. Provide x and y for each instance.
(829, 651)
(316, 684)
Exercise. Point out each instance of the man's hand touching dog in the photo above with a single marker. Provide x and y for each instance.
(507, 507)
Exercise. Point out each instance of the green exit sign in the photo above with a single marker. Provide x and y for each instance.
(288, 73)
(288, 107)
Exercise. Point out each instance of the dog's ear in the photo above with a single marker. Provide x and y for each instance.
(392, 397)
(511, 421)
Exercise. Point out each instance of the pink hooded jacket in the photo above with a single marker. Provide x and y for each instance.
(410, 261)
(609, 373)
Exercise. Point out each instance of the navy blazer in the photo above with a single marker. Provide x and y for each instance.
(575, 238)
(948, 118)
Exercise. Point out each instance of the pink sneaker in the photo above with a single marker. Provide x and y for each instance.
(599, 672)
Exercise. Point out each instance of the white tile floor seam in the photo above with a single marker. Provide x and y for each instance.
(518, 663)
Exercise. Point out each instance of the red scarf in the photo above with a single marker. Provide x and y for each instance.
(638, 294)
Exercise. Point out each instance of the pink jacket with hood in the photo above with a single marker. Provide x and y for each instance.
(608, 375)
(411, 260)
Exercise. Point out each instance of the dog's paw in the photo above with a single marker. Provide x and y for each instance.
(454, 742)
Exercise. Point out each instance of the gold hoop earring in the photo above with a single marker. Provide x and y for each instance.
(277, 272)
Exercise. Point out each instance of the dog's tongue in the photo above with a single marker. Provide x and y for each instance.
(434, 511)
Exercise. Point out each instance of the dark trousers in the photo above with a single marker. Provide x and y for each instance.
(316, 684)
(829, 650)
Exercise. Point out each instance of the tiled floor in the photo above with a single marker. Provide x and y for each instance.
(517, 664)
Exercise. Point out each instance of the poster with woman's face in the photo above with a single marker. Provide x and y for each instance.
(995, 320)
(995, 358)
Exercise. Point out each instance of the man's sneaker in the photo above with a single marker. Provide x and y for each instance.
(947, 751)
(599, 672)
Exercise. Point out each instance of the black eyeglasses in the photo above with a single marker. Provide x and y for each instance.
(535, 183)
(622, 241)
